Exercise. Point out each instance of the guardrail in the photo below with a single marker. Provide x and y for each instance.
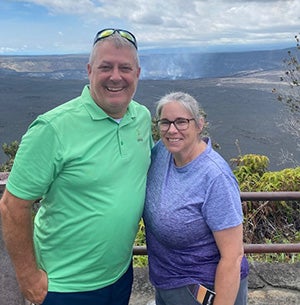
(257, 248)
(245, 196)
(3, 179)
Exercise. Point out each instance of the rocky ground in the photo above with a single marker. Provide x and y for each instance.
(269, 284)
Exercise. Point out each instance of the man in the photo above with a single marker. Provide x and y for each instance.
(87, 159)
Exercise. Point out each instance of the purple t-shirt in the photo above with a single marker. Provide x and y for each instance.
(184, 205)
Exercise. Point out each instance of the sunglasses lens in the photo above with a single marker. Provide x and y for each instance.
(107, 32)
(103, 34)
(128, 36)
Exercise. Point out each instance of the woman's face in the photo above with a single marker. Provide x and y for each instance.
(181, 143)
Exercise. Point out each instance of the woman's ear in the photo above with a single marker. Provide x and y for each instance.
(200, 124)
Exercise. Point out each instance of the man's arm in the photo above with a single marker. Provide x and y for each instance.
(17, 228)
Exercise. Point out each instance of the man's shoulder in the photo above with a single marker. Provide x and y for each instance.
(63, 110)
(138, 106)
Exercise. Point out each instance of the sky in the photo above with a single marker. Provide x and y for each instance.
(36, 27)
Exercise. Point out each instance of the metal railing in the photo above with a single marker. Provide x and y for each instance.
(257, 248)
(245, 196)
(3, 179)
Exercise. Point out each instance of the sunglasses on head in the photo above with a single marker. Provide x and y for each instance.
(123, 33)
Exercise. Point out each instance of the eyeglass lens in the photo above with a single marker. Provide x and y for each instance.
(180, 124)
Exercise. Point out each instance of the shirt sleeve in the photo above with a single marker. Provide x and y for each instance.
(222, 208)
(37, 161)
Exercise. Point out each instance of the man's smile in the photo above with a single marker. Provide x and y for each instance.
(112, 89)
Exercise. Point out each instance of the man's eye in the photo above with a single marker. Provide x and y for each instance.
(104, 68)
(126, 69)
(164, 123)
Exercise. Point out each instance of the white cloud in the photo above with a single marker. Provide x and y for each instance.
(191, 22)
(5, 50)
(64, 6)
(182, 23)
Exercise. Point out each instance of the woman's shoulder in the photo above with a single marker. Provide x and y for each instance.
(159, 151)
(158, 146)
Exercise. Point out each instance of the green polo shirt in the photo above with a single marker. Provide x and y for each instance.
(91, 173)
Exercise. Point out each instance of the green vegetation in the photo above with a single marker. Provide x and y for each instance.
(269, 221)
(10, 151)
(140, 240)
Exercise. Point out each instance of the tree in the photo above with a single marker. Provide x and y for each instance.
(289, 96)
(291, 77)
(10, 150)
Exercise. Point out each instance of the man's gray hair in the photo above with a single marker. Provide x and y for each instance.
(119, 42)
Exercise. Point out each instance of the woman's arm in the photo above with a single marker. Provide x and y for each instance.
(227, 280)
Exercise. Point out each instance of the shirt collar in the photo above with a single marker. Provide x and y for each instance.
(97, 113)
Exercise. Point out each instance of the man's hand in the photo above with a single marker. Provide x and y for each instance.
(17, 230)
(35, 287)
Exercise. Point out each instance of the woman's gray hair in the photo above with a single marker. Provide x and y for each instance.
(119, 42)
(186, 100)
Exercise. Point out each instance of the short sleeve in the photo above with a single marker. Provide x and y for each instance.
(222, 208)
(37, 161)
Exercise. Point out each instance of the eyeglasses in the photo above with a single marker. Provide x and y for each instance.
(123, 33)
(180, 124)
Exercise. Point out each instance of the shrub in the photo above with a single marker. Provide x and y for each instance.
(10, 150)
(269, 221)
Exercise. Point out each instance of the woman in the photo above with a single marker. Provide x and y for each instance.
(193, 213)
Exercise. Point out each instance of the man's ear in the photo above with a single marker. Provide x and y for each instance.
(88, 68)
(138, 72)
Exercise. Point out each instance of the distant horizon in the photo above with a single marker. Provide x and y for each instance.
(175, 50)
(168, 63)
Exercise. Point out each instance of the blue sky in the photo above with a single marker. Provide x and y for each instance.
(68, 26)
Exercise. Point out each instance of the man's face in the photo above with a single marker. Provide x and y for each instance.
(113, 76)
